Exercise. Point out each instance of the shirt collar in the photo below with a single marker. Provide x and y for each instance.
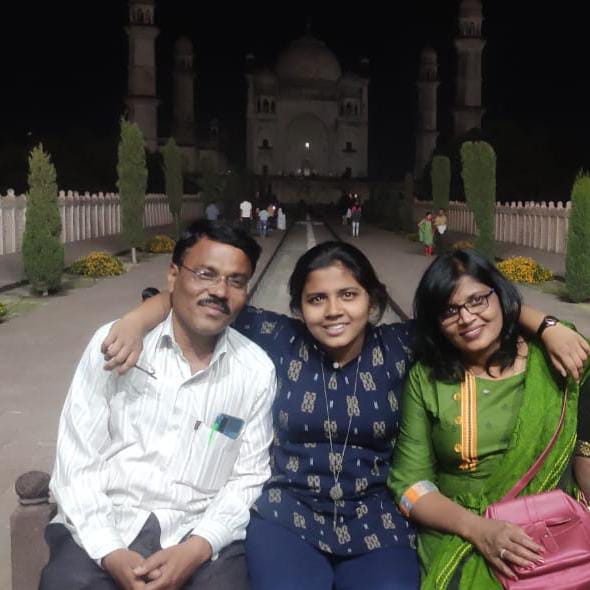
(167, 339)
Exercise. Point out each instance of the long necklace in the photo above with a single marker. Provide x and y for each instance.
(336, 463)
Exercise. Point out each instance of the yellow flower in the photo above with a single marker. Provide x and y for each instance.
(521, 269)
(161, 244)
(98, 264)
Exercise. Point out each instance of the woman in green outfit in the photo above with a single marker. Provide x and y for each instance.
(478, 409)
(426, 234)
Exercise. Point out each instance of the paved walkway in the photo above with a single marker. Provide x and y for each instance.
(39, 351)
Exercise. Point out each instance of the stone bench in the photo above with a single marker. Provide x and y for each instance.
(27, 527)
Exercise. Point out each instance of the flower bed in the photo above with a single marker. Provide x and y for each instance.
(521, 269)
(161, 244)
(98, 264)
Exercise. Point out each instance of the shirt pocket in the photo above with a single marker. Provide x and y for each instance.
(210, 460)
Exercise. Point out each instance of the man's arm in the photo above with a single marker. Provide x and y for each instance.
(80, 474)
(227, 516)
(567, 349)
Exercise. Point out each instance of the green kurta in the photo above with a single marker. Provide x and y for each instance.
(425, 233)
(430, 438)
(513, 423)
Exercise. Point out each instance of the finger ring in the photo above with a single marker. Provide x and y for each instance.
(502, 553)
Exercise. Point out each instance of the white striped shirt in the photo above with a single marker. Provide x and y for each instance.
(127, 444)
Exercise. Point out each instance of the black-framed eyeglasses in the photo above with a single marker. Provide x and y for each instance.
(475, 304)
(212, 277)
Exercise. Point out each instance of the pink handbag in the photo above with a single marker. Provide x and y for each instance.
(557, 522)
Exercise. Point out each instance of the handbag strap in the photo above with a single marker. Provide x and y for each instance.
(528, 476)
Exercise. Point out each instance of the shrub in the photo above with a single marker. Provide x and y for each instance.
(98, 264)
(577, 260)
(42, 251)
(521, 269)
(132, 183)
(3, 311)
(161, 244)
(441, 182)
(479, 179)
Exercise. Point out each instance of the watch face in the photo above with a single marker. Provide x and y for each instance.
(551, 320)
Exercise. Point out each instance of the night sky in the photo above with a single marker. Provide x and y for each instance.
(65, 78)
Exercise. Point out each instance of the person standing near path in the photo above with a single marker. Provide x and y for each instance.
(156, 469)
(355, 216)
(440, 231)
(212, 212)
(246, 215)
(263, 222)
(425, 234)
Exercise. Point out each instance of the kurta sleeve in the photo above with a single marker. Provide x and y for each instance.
(414, 460)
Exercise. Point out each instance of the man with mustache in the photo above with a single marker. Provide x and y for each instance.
(156, 469)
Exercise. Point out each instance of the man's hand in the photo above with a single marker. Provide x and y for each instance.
(170, 568)
(119, 564)
(567, 350)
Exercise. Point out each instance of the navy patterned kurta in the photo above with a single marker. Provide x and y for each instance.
(297, 494)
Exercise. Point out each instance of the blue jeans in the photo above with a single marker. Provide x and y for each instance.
(278, 559)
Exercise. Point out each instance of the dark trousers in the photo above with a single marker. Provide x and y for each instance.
(70, 567)
(278, 559)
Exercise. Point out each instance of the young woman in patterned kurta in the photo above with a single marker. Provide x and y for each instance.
(292, 541)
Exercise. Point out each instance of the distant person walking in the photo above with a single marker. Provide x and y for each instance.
(245, 215)
(425, 233)
(263, 223)
(355, 217)
(440, 231)
(212, 212)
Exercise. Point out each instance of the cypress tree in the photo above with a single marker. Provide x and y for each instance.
(479, 178)
(174, 181)
(132, 183)
(440, 175)
(42, 251)
(577, 261)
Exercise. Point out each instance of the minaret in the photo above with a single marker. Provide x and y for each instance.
(141, 99)
(183, 123)
(469, 45)
(183, 127)
(426, 134)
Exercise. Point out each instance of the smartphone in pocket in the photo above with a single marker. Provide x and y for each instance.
(228, 425)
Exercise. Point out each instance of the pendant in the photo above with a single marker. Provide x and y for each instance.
(336, 492)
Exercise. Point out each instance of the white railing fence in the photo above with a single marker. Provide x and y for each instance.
(536, 225)
(85, 216)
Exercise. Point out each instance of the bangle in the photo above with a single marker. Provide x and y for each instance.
(413, 494)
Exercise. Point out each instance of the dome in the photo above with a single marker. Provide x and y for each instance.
(470, 9)
(308, 59)
(428, 55)
(183, 46)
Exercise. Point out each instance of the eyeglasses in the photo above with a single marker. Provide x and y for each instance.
(211, 277)
(475, 304)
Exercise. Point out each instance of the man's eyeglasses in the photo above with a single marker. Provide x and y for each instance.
(475, 304)
(211, 277)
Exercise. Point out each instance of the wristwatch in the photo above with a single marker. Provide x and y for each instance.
(548, 321)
